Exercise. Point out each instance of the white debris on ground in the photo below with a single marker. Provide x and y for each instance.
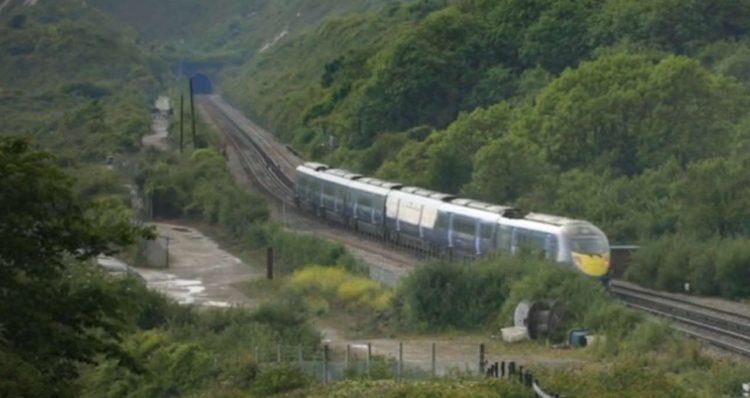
(200, 272)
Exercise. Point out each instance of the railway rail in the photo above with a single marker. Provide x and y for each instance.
(271, 167)
(725, 329)
(254, 157)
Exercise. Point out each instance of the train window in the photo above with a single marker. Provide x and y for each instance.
(328, 189)
(589, 245)
(485, 231)
(464, 225)
(503, 237)
(443, 221)
(531, 242)
(551, 247)
(364, 200)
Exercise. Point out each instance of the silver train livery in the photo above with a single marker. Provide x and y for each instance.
(444, 224)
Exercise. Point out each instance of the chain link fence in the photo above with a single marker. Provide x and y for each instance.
(412, 361)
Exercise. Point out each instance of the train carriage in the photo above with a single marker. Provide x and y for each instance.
(444, 224)
(346, 198)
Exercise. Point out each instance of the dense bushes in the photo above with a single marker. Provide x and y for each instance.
(203, 351)
(201, 188)
(322, 287)
(711, 266)
(457, 295)
(293, 250)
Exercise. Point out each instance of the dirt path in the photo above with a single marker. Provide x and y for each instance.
(200, 272)
(160, 125)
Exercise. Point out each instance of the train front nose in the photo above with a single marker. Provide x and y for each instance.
(596, 265)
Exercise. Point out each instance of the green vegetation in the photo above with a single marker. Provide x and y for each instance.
(322, 287)
(72, 82)
(711, 266)
(187, 352)
(199, 187)
(630, 114)
(294, 250)
(228, 30)
(56, 313)
(437, 389)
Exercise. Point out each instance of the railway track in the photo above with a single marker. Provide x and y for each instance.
(254, 156)
(271, 167)
(718, 327)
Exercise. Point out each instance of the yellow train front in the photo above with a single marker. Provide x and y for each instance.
(585, 247)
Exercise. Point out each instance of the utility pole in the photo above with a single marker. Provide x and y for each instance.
(192, 112)
(182, 120)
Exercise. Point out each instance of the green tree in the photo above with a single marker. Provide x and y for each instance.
(48, 322)
(422, 78)
(505, 169)
(715, 198)
(628, 112)
(673, 25)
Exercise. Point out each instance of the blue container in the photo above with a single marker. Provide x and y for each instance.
(577, 337)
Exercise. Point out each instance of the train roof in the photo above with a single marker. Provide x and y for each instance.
(444, 201)
(551, 219)
(315, 166)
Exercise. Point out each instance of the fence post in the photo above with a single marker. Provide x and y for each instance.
(520, 374)
(481, 359)
(400, 359)
(433, 360)
(348, 354)
(269, 263)
(369, 355)
(278, 352)
(325, 364)
(502, 368)
(299, 354)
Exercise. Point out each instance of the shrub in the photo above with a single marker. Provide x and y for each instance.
(241, 372)
(711, 266)
(451, 294)
(279, 378)
(323, 285)
(576, 292)
(733, 269)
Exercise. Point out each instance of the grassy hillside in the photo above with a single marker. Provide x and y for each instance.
(236, 26)
(73, 81)
(630, 114)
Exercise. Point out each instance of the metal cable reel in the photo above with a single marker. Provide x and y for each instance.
(538, 317)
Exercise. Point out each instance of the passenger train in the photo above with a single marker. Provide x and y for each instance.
(444, 224)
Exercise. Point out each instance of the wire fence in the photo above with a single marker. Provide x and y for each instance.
(397, 360)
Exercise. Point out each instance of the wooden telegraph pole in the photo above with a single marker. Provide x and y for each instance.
(192, 112)
(182, 120)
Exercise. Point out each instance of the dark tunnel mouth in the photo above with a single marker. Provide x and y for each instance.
(202, 84)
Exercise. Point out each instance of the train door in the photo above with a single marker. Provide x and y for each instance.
(504, 238)
(484, 236)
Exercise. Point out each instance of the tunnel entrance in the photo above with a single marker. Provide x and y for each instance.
(202, 84)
